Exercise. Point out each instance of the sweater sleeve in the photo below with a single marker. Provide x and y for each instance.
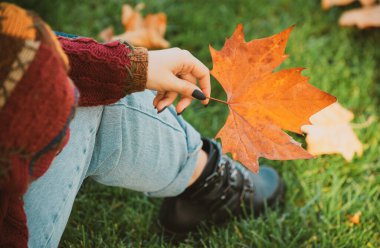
(104, 73)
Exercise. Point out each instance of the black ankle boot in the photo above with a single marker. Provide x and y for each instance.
(225, 189)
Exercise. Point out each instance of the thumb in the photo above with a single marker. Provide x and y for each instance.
(186, 88)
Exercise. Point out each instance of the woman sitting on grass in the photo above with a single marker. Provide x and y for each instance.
(122, 134)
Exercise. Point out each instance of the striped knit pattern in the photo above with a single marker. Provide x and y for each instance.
(16, 22)
(18, 68)
(38, 100)
(37, 103)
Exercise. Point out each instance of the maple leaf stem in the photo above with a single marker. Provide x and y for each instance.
(217, 100)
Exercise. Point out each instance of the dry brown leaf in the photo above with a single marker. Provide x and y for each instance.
(331, 133)
(131, 17)
(361, 17)
(355, 219)
(146, 32)
(263, 103)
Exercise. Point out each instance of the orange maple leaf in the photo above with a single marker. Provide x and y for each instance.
(262, 102)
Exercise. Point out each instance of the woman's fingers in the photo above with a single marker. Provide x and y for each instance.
(185, 100)
(183, 104)
(185, 88)
(202, 74)
(165, 65)
(158, 98)
(167, 100)
(199, 71)
(165, 69)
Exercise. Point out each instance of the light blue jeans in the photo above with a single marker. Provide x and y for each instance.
(126, 144)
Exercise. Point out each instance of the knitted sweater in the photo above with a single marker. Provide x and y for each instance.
(104, 73)
(38, 100)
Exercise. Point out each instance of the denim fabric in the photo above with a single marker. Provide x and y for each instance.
(125, 144)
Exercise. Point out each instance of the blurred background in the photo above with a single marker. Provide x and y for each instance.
(322, 193)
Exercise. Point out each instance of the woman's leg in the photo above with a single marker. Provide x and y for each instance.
(138, 149)
(49, 199)
(126, 144)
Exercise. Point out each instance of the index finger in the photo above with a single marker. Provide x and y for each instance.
(202, 74)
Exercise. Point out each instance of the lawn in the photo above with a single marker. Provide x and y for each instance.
(321, 192)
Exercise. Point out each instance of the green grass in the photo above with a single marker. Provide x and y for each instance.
(321, 192)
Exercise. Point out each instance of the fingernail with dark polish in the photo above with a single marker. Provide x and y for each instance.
(197, 94)
(161, 110)
(181, 112)
(155, 107)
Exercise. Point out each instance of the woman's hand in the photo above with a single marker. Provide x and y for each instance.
(175, 71)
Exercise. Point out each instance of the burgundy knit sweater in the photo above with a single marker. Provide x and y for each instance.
(104, 73)
(37, 100)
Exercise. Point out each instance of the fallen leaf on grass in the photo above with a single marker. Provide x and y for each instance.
(331, 133)
(362, 17)
(146, 32)
(262, 103)
(355, 219)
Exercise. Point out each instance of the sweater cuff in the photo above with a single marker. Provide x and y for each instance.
(139, 69)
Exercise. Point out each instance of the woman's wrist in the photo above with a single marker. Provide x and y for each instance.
(139, 67)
